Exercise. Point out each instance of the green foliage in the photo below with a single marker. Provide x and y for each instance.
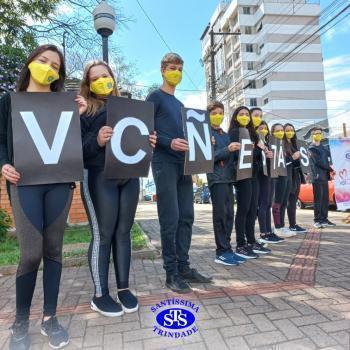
(5, 224)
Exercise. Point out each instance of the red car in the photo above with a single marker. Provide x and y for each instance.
(306, 195)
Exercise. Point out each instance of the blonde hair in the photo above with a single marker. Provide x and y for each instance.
(93, 102)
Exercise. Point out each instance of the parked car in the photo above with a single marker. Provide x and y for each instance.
(201, 195)
(147, 197)
(306, 195)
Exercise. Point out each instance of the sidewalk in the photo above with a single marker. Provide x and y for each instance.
(282, 301)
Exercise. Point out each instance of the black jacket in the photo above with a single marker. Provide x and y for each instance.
(320, 167)
(223, 159)
(93, 154)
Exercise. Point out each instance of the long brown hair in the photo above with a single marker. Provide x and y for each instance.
(24, 76)
(234, 123)
(93, 102)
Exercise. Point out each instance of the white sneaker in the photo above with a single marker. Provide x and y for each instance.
(284, 232)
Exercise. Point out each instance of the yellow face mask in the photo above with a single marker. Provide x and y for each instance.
(279, 134)
(317, 137)
(216, 119)
(102, 86)
(173, 77)
(263, 132)
(243, 120)
(256, 121)
(290, 134)
(42, 73)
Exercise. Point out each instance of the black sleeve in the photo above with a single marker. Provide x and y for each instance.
(5, 103)
(234, 137)
(315, 157)
(89, 139)
(162, 140)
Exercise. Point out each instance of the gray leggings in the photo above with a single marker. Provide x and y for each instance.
(40, 213)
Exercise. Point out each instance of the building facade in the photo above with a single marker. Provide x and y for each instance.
(275, 63)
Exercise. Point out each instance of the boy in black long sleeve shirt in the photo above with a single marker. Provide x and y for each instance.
(320, 174)
(174, 189)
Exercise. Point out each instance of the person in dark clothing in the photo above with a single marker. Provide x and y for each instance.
(174, 189)
(295, 178)
(265, 190)
(246, 190)
(110, 204)
(220, 183)
(40, 211)
(281, 186)
(320, 175)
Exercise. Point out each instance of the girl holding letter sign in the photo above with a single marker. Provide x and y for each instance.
(295, 178)
(280, 189)
(110, 204)
(265, 190)
(40, 211)
(246, 191)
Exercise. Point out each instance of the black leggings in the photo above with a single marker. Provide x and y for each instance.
(292, 199)
(265, 203)
(282, 186)
(222, 200)
(40, 213)
(247, 204)
(111, 207)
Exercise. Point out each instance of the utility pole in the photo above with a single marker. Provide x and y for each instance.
(344, 130)
(213, 52)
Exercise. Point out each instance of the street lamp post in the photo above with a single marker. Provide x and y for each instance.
(104, 21)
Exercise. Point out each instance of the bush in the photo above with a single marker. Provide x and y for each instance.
(5, 224)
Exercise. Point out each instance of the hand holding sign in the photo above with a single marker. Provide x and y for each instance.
(152, 139)
(179, 145)
(10, 173)
(296, 155)
(234, 146)
(104, 135)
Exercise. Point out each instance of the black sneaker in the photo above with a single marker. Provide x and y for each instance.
(259, 248)
(106, 306)
(246, 252)
(328, 223)
(58, 336)
(20, 339)
(128, 301)
(270, 238)
(193, 276)
(298, 229)
(177, 284)
(278, 239)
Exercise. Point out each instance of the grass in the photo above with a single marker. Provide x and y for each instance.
(9, 250)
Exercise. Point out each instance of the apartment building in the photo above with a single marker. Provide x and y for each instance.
(256, 68)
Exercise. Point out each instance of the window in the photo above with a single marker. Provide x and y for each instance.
(246, 10)
(248, 30)
(237, 55)
(229, 81)
(252, 84)
(266, 101)
(261, 47)
(249, 47)
(264, 82)
(259, 28)
(229, 63)
(253, 102)
(250, 65)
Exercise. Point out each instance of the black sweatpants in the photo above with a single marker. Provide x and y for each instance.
(111, 207)
(40, 213)
(265, 203)
(223, 213)
(292, 199)
(321, 201)
(176, 214)
(287, 191)
(247, 203)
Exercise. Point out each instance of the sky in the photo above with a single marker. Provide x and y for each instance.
(182, 22)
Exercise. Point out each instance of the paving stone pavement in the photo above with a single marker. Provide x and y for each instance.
(296, 298)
